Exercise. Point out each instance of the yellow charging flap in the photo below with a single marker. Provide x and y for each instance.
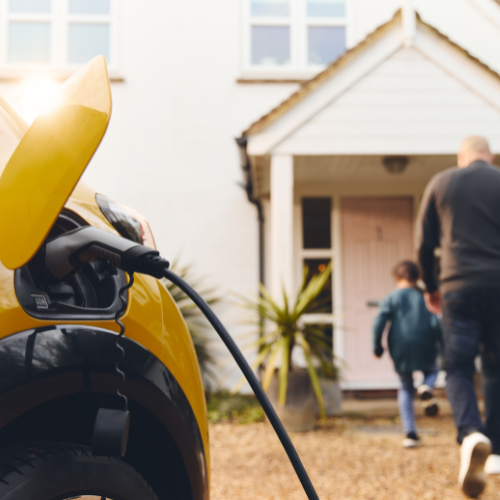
(49, 160)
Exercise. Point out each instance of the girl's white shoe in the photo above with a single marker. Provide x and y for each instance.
(492, 465)
(411, 440)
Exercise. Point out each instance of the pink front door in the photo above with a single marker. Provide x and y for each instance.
(377, 233)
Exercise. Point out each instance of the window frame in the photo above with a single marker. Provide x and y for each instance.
(298, 22)
(60, 20)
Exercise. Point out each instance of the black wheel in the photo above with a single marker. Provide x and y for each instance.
(61, 471)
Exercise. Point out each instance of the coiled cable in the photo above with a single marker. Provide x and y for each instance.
(119, 348)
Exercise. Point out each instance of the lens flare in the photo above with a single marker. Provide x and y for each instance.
(37, 95)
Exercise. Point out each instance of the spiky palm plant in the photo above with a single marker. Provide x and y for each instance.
(287, 331)
(197, 324)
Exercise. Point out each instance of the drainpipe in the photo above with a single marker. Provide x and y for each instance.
(248, 187)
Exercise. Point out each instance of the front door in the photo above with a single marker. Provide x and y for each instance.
(377, 233)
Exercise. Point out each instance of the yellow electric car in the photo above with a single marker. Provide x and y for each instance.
(57, 336)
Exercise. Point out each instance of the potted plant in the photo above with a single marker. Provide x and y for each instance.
(295, 392)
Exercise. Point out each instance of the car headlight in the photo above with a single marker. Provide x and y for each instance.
(126, 221)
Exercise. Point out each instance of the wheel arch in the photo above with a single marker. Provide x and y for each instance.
(53, 380)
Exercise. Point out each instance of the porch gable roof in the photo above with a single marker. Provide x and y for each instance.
(273, 132)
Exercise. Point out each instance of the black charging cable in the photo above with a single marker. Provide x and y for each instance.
(252, 380)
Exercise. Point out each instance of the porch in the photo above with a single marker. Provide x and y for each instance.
(358, 212)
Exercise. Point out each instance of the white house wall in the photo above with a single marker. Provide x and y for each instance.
(406, 105)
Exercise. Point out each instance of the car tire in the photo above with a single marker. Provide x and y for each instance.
(61, 471)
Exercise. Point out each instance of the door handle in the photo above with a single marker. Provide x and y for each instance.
(373, 303)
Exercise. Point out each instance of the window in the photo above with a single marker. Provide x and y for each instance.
(56, 34)
(316, 223)
(88, 30)
(300, 35)
(325, 298)
(316, 253)
(270, 45)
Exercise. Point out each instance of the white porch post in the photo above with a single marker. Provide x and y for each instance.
(281, 225)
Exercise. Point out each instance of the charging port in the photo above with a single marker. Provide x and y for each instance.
(92, 293)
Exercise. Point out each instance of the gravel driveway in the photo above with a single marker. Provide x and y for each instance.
(346, 459)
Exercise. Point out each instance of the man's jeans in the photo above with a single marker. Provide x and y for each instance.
(471, 326)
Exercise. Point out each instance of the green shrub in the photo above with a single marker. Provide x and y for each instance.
(222, 406)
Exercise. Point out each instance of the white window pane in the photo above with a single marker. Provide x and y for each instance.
(325, 44)
(326, 8)
(275, 8)
(34, 6)
(29, 43)
(270, 45)
(89, 6)
(87, 41)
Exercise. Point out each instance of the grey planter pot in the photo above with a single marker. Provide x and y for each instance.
(332, 394)
(299, 412)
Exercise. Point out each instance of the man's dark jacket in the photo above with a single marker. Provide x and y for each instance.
(460, 213)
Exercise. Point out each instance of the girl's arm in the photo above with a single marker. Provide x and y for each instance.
(384, 315)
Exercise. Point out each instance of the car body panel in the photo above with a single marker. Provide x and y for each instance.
(49, 160)
(83, 202)
(180, 356)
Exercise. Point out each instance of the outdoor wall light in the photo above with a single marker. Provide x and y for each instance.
(395, 164)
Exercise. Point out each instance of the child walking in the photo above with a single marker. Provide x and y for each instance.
(414, 340)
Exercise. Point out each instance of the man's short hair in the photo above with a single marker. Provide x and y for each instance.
(475, 143)
(406, 270)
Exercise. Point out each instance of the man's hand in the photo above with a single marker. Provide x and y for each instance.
(433, 302)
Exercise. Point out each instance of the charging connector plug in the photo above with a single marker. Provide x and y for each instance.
(66, 254)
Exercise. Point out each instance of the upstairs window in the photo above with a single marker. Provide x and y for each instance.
(55, 34)
(300, 35)
(89, 30)
(29, 31)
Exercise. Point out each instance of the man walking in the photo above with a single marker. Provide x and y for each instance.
(460, 213)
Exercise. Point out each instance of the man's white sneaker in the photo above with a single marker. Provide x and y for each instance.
(473, 454)
(492, 465)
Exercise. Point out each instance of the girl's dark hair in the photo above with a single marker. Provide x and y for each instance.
(406, 270)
